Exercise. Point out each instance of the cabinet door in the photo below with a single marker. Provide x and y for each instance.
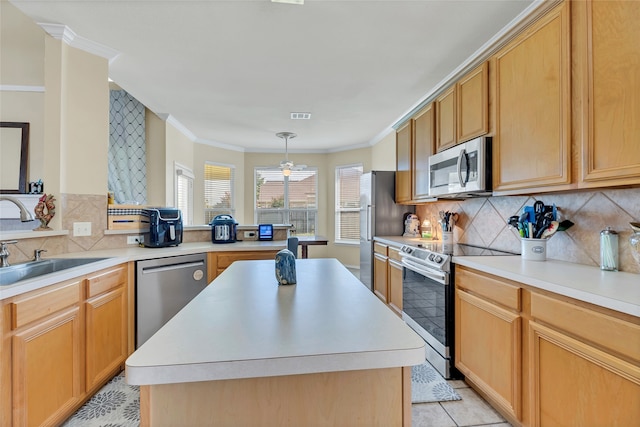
(404, 136)
(106, 320)
(395, 286)
(488, 350)
(472, 93)
(380, 277)
(446, 119)
(608, 81)
(46, 371)
(531, 148)
(576, 384)
(423, 141)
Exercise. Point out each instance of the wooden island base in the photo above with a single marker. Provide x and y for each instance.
(374, 397)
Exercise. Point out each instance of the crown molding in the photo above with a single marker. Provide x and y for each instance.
(68, 36)
(534, 11)
(20, 88)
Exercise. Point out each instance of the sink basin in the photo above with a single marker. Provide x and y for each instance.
(30, 270)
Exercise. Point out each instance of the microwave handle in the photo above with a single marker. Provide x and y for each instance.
(462, 155)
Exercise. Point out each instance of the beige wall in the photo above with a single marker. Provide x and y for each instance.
(22, 47)
(205, 153)
(179, 150)
(383, 154)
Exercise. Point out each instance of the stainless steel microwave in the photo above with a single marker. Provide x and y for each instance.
(462, 171)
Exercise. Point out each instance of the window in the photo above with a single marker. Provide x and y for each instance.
(348, 203)
(218, 190)
(184, 192)
(287, 200)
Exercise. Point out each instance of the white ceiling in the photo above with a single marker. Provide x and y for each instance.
(232, 71)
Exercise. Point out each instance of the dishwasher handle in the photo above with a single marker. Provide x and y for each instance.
(179, 266)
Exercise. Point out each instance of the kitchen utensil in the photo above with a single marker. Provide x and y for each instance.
(550, 230)
(564, 225)
(513, 221)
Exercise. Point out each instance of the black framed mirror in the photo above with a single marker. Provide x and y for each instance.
(14, 153)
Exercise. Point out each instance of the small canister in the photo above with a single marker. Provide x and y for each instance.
(608, 250)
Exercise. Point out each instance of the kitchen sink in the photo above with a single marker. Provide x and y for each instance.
(30, 270)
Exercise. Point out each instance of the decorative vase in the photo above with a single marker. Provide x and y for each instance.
(286, 267)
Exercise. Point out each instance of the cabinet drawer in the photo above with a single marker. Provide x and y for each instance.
(379, 248)
(226, 259)
(394, 254)
(28, 309)
(106, 280)
(489, 287)
(606, 331)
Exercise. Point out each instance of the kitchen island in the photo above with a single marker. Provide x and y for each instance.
(246, 351)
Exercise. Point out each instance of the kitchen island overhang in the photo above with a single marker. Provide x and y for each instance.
(327, 333)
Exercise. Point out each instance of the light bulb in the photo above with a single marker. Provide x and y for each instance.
(286, 172)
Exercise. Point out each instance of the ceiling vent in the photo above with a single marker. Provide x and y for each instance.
(300, 116)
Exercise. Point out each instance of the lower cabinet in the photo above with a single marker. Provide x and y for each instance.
(60, 344)
(541, 359)
(387, 276)
(488, 338)
(217, 262)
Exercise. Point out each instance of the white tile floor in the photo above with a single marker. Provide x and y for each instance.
(472, 410)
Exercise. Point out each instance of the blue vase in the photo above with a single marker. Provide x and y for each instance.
(286, 267)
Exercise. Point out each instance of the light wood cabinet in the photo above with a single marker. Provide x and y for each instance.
(217, 262)
(531, 146)
(472, 100)
(47, 356)
(394, 275)
(488, 348)
(60, 344)
(423, 146)
(404, 137)
(542, 359)
(380, 271)
(607, 91)
(106, 325)
(446, 119)
(585, 366)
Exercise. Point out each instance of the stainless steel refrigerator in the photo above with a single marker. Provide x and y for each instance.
(379, 216)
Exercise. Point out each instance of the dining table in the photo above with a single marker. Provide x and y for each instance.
(306, 241)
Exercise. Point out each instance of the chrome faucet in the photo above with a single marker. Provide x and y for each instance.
(25, 215)
(36, 254)
(4, 253)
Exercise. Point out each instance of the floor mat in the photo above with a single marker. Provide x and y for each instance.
(427, 385)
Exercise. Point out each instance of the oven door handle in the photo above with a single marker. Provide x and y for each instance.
(439, 276)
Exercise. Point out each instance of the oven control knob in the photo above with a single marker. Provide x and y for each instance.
(431, 257)
(438, 259)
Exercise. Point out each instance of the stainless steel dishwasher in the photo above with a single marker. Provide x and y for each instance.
(163, 287)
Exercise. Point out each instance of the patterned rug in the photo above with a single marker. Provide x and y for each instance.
(117, 404)
(428, 386)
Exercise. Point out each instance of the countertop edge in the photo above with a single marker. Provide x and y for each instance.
(299, 365)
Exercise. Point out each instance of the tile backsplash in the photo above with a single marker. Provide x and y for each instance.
(483, 222)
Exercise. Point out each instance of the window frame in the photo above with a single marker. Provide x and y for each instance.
(338, 210)
(178, 172)
(232, 186)
(286, 209)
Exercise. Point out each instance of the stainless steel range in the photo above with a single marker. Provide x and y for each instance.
(428, 298)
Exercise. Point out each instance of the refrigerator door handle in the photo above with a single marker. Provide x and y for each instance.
(369, 236)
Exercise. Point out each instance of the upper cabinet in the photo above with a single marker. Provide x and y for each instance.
(446, 119)
(606, 39)
(472, 100)
(462, 111)
(423, 143)
(404, 137)
(531, 146)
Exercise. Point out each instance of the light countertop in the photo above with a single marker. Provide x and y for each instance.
(130, 253)
(615, 290)
(244, 325)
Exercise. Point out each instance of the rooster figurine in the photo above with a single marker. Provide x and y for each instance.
(45, 203)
